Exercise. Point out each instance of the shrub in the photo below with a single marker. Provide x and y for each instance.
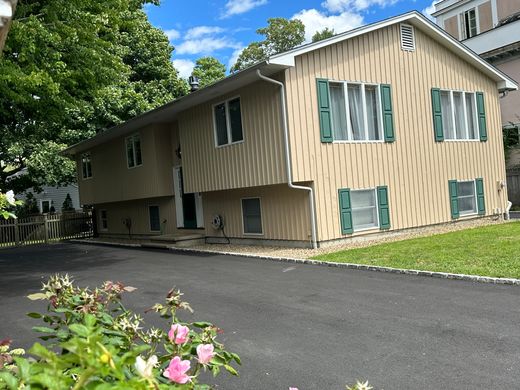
(93, 342)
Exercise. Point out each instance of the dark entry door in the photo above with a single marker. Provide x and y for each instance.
(189, 209)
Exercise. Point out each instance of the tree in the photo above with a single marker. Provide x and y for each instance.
(280, 35)
(70, 69)
(209, 70)
(323, 34)
(67, 204)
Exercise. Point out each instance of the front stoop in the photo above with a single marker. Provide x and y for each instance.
(179, 240)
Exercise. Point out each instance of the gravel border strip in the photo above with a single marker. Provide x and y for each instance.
(441, 275)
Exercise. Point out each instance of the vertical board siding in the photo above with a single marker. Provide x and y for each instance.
(415, 168)
(113, 181)
(285, 212)
(257, 161)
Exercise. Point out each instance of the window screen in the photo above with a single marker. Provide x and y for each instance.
(252, 216)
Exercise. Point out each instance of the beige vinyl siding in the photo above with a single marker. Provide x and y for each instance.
(113, 181)
(137, 211)
(256, 161)
(285, 212)
(415, 167)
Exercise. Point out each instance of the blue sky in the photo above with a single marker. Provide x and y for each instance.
(222, 28)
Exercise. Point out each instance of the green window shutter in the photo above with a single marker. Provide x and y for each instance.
(388, 116)
(384, 208)
(454, 200)
(345, 211)
(437, 114)
(481, 111)
(481, 205)
(324, 110)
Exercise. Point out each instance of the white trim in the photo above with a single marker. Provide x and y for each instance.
(41, 205)
(150, 219)
(199, 212)
(417, 20)
(261, 216)
(101, 228)
(228, 122)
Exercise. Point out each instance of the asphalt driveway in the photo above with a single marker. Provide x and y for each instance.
(299, 325)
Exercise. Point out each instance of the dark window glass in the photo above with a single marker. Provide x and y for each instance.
(252, 216)
(235, 119)
(130, 153)
(221, 124)
(86, 166)
(155, 222)
(137, 149)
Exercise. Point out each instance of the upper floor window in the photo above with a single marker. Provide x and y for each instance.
(133, 151)
(86, 166)
(469, 24)
(356, 111)
(228, 122)
(459, 115)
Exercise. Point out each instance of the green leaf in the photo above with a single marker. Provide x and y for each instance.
(230, 369)
(201, 324)
(9, 379)
(37, 296)
(80, 330)
(43, 329)
(34, 315)
(236, 358)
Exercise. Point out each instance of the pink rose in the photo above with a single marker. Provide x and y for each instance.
(205, 353)
(176, 371)
(293, 388)
(178, 334)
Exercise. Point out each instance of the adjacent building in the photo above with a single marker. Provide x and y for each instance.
(389, 126)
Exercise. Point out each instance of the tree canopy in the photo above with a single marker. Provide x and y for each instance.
(70, 69)
(323, 34)
(280, 35)
(208, 70)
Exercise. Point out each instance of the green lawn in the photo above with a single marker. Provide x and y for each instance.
(489, 251)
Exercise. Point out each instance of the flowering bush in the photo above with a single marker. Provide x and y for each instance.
(7, 201)
(92, 341)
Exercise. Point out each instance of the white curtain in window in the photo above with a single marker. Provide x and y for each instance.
(460, 123)
(372, 117)
(470, 113)
(447, 119)
(339, 112)
(356, 111)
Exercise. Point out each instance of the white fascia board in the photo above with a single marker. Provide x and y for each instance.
(419, 21)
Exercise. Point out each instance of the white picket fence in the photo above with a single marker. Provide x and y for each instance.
(45, 228)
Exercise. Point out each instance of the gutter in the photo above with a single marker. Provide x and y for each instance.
(288, 157)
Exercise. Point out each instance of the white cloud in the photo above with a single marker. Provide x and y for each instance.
(205, 45)
(199, 31)
(428, 11)
(235, 7)
(315, 20)
(337, 6)
(185, 67)
(172, 34)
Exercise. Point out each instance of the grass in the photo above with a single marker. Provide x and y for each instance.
(488, 251)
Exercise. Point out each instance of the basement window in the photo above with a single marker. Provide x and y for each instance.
(252, 216)
(364, 209)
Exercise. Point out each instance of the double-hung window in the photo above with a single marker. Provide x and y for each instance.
(133, 151)
(467, 197)
(364, 209)
(86, 165)
(356, 111)
(228, 122)
(469, 24)
(252, 216)
(459, 115)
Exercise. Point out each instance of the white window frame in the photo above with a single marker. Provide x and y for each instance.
(350, 133)
(261, 216)
(466, 122)
(150, 219)
(41, 205)
(101, 219)
(86, 159)
(463, 22)
(466, 213)
(131, 139)
(228, 122)
(378, 225)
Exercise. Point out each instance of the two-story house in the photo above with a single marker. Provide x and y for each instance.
(390, 126)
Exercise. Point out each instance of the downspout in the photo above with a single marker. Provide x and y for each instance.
(288, 157)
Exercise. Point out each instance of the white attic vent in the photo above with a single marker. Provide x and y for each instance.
(407, 37)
